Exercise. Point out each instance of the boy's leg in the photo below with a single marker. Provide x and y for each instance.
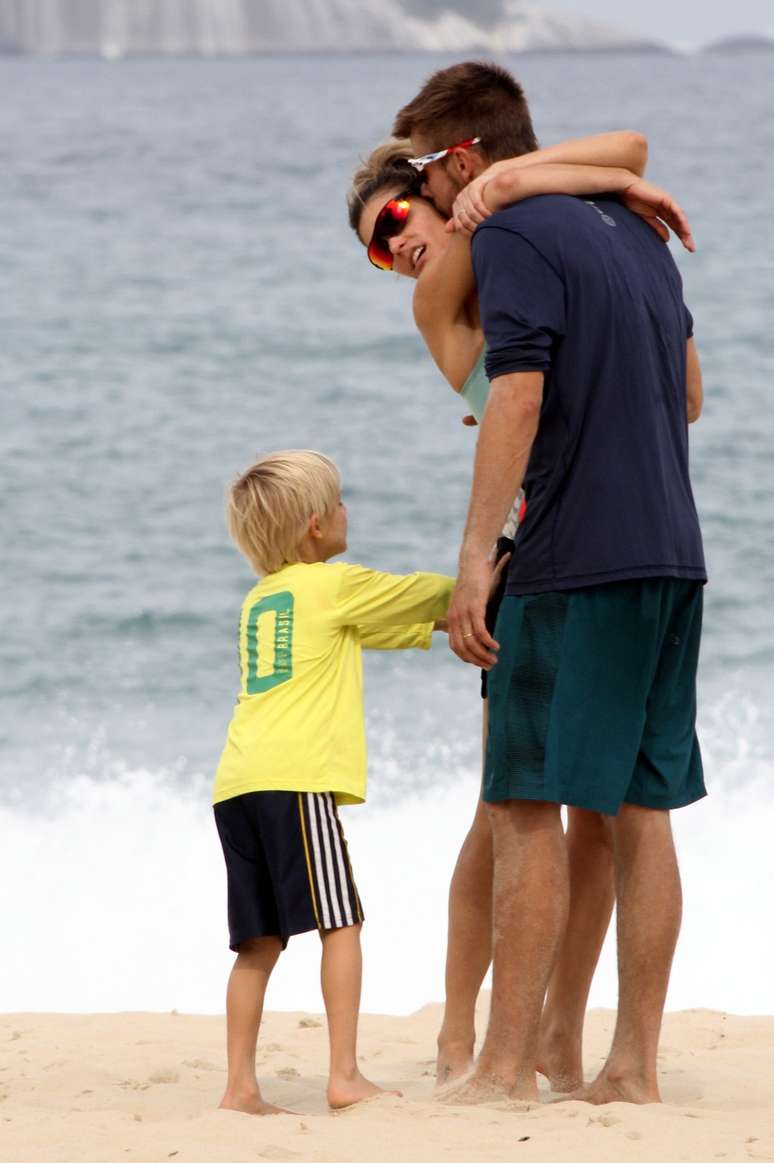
(244, 1008)
(592, 895)
(469, 945)
(341, 976)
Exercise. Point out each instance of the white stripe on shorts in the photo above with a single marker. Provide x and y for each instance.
(311, 799)
(339, 859)
(326, 836)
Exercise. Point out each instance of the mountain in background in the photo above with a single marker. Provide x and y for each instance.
(117, 28)
(744, 43)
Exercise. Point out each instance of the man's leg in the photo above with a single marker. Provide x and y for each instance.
(592, 895)
(649, 914)
(341, 976)
(469, 945)
(531, 894)
(244, 1008)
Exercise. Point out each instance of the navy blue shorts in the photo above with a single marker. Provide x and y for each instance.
(287, 865)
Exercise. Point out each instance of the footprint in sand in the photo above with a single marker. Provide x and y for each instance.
(309, 1024)
(278, 1153)
(164, 1076)
(604, 1121)
(287, 1072)
(200, 1064)
(760, 1149)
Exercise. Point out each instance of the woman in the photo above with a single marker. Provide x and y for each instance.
(403, 232)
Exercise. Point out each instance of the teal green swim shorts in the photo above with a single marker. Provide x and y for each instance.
(592, 701)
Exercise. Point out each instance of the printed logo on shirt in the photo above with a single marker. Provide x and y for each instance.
(608, 221)
(270, 655)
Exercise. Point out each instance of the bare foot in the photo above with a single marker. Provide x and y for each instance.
(455, 1060)
(560, 1061)
(621, 1088)
(481, 1088)
(250, 1103)
(346, 1090)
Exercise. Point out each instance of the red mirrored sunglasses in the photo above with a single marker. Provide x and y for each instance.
(390, 221)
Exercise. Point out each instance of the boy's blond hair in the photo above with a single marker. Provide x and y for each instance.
(268, 508)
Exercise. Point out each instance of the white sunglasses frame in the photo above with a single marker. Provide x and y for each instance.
(419, 163)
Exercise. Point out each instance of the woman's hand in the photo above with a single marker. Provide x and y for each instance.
(659, 210)
(469, 207)
(496, 188)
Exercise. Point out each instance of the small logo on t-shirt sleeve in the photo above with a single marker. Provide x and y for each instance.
(608, 221)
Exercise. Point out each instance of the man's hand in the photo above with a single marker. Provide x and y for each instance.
(659, 210)
(468, 636)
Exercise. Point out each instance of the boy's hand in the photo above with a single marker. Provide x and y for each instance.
(442, 625)
(470, 421)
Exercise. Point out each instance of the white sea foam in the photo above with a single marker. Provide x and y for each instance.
(115, 899)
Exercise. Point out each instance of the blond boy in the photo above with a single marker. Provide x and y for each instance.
(296, 749)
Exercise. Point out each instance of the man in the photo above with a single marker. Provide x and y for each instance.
(592, 700)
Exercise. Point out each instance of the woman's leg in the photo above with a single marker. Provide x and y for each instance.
(592, 895)
(469, 947)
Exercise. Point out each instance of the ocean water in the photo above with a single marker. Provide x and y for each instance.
(178, 290)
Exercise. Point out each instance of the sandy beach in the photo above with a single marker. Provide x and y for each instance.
(144, 1087)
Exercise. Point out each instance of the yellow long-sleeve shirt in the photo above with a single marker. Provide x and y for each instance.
(299, 723)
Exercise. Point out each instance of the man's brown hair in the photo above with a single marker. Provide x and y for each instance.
(472, 99)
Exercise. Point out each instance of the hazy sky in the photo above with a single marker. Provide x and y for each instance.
(688, 22)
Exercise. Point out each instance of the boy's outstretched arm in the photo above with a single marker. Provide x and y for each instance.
(404, 637)
(367, 597)
(417, 637)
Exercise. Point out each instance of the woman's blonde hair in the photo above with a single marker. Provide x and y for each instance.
(386, 167)
(268, 508)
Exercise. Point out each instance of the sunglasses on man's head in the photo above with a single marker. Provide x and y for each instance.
(419, 163)
(389, 221)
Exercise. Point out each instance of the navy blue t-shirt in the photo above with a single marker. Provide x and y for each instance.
(587, 293)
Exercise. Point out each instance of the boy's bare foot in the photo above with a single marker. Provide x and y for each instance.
(614, 1088)
(559, 1060)
(346, 1090)
(455, 1060)
(250, 1103)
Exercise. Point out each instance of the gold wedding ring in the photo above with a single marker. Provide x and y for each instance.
(468, 635)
